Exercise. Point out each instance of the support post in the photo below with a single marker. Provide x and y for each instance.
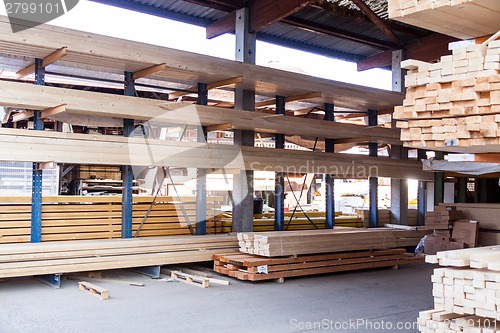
(399, 190)
(201, 177)
(439, 182)
(462, 189)
(373, 151)
(421, 155)
(36, 185)
(243, 100)
(329, 178)
(279, 191)
(127, 173)
(483, 190)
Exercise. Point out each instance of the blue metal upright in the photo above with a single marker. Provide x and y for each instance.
(279, 187)
(36, 188)
(329, 179)
(373, 151)
(439, 182)
(201, 177)
(127, 173)
(421, 155)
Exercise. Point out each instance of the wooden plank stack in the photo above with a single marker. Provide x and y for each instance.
(255, 268)
(279, 243)
(385, 217)
(463, 19)
(467, 294)
(455, 102)
(78, 218)
(18, 260)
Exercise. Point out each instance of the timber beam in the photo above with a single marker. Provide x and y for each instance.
(51, 58)
(301, 97)
(149, 71)
(210, 86)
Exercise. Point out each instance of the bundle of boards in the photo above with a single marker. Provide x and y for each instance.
(292, 243)
(455, 102)
(254, 268)
(466, 293)
(18, 260)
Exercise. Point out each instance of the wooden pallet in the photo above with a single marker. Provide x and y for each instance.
(199, 281)
(94, 290)
(255, 268)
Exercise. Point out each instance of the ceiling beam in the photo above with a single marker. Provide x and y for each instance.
(262, 14)
(224, 25)
(353, 37)
(380, 23)
(428, 49)
(266, 12)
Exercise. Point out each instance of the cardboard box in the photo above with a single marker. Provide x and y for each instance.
(443, 233)
(434, 244)
(431, 223)
(465, 231)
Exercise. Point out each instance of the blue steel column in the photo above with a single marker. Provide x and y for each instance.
(36, 188)
(438, 182)
(201, 176)
(421, 155)
(329, 179)
(373, 151)
(127, 173)
(279, 191)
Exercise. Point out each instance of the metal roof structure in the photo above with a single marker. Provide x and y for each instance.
(334, 28)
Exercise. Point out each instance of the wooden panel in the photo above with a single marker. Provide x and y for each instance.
(112, 55)
(30, 96)
(23, 145)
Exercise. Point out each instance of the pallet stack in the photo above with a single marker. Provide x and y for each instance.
(458, 18)
(466, 295)
(255, 268)
(455, 102)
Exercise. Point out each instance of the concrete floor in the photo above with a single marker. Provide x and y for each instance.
(383, 297)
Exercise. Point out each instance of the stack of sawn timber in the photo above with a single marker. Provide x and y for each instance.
(286, 243)
(300, 253)
(17, 260)
(467, 294)
(254, 268)
(455, 102)
(463, 19)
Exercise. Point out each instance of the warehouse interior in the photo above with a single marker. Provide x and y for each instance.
(121, 157)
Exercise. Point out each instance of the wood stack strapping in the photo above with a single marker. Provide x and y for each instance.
(18, 260)
(463, 19)
(254, 268)
(284, 243)
(78, 218)
(468, 291)
(455, 102)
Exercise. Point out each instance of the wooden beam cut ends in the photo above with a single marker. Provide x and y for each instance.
(51, 58)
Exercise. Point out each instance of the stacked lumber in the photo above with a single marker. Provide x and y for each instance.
(463, 19)
(385, 217)
(466, 292)
(455, 102)
(265, 222)
(286, 243)
(18, 145)
(450, 230)
(78, 218)
(255, 268)
(18, 260)
(487, 214)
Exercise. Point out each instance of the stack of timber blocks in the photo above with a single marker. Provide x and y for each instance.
(450, 230)
(467, 294)
(455, 102)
